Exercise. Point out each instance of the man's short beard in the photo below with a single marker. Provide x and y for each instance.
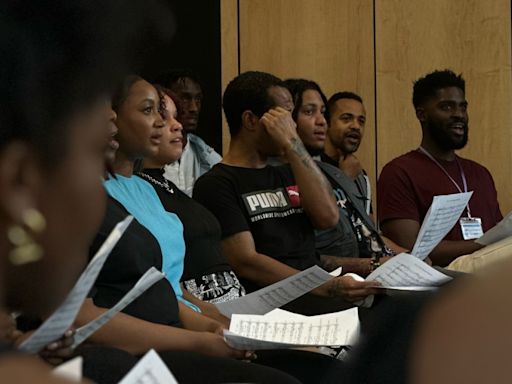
(444, 140)
(346, 151)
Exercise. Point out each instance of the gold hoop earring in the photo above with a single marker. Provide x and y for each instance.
(26, 249)
(34, 220)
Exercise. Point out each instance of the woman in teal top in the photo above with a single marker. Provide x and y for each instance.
(140, 200)
(136, 195)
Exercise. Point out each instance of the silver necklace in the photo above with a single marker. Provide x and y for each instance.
(165, 185)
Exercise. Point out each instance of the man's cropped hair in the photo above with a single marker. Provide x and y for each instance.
(170, 78)
(331, 103)
(248, 92)
(426, 87)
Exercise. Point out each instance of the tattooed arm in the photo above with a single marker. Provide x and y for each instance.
(315, 191)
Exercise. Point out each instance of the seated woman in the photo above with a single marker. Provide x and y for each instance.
(105, 365)
(206, 275)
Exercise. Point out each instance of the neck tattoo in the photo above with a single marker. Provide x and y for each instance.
(165, 185)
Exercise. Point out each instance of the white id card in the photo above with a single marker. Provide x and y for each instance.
(471, 227)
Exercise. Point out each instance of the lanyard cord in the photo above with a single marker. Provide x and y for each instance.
(462, 175)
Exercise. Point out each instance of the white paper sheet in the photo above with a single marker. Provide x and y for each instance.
(406, 272)
(60, 321)
(278, 294)
(442, 215)
(70, 370)
(149, 278)
(149, 370)
(499, 232)
(254, 332)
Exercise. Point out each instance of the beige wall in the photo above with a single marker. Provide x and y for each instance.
(377, 48)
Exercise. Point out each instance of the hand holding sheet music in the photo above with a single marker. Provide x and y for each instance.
(60, 321)
(406, 272)
(278, 294)
(253, 332)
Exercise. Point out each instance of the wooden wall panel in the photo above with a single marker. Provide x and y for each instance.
(229, 54)
(332, 42)
(329, 41)
(470, 36)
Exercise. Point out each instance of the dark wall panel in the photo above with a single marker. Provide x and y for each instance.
(196, 46)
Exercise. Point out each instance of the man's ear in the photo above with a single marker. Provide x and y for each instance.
(420, 114)
(249, 120)
(19, 181)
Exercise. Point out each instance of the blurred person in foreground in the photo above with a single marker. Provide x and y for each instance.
(58, 64)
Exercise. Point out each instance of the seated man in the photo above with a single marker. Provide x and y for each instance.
(346, 119)
(267, 213)
(354, 243)
(197, 157)
(408, 183)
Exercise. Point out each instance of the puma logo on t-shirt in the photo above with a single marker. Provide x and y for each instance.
(275, 203)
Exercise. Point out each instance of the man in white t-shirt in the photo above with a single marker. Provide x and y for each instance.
(198, 157)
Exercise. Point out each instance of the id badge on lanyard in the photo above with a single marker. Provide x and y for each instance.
(471, 227)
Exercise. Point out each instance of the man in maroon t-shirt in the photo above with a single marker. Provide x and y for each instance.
(407, 184)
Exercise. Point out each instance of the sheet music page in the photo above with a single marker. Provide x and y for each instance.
(60, 321)
(278, 294)
(149, 278)
(499, 232)
(442, 215)
(406, 272)
(255, 332)
(70, 370)
(149, 370)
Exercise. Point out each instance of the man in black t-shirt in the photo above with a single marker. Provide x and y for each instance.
(268, 214)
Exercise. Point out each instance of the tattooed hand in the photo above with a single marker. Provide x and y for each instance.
(280, 127)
